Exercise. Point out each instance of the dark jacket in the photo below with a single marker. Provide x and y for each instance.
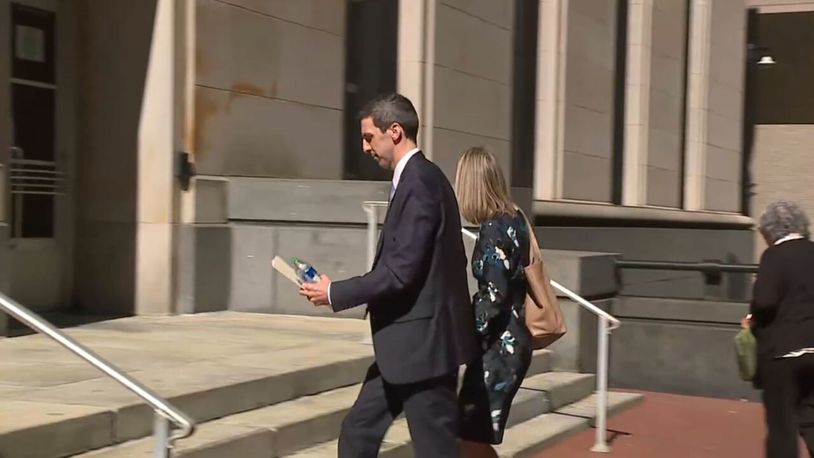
(417, 295)
(782, 305)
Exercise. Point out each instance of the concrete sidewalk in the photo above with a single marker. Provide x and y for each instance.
(667, 426)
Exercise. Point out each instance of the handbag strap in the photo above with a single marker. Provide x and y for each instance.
(534, 247)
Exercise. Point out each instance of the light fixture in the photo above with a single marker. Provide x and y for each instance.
(759, 55)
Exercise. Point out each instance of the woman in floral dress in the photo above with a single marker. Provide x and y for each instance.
(501, 252)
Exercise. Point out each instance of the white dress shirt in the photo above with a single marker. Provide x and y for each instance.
(789, 238)
(396, 177)
(400, 169)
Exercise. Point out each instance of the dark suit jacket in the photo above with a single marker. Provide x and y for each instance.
(782, 305)
(417, 294)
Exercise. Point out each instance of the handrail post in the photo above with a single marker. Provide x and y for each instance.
(601, 444)
(372, 210)
(161, 431)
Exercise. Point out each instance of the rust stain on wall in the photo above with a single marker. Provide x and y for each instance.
(248, 88)
(201, 67)
(205, 108)
(239, 89)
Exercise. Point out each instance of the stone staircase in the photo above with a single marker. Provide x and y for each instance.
(536, 421)
(259, 386)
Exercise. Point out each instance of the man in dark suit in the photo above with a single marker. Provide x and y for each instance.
(416, 294)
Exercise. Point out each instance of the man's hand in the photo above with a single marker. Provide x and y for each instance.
(317, 292)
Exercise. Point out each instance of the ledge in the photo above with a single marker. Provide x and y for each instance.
(588, 274)
(682, 310)
(787, 7)
(304, 201)
(223, 199)
(621, 215)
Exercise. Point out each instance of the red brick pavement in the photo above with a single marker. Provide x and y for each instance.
(667, 426)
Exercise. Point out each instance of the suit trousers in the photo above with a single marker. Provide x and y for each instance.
(430, 406)
(788, 398)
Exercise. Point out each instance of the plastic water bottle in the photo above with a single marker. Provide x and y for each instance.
(305, 272)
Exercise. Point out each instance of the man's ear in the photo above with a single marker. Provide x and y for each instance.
(397, 134)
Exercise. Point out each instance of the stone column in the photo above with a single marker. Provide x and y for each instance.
(156, 186)
(186, 212)
(416, 52)
(637, 102)
(455, 63)
(700, 25)
(576, 107)
(654, 114)
(548, 141)
(715, 105)
(589, 110)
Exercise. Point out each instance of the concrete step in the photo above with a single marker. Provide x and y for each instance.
(284, 428)
(529, 438)
(521, 440)
(211, 440)
(541, 362)
(544, 392)
(561, 388)
(274, 430)
(388, 449)
(105, 414)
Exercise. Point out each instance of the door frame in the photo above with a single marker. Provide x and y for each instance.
(53, 255)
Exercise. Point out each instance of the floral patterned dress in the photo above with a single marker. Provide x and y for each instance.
(489, 384)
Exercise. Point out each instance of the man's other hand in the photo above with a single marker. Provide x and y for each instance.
(317, 292)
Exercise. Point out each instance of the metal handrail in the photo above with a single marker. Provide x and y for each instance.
(705, 266)
(371, 207)
(606, 324)
(164, 411)
(614, 322)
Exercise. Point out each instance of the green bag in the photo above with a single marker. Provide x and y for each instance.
(746, 350)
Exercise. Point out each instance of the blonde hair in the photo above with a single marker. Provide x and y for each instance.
(481, 188)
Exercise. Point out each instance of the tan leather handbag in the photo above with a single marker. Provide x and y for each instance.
(543, 314)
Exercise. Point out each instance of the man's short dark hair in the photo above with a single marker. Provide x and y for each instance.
(390, 108)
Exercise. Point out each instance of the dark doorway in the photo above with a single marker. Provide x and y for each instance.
(370, 69)
(524, 89)
(619, 90)
(783, 91)
(33, 105)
